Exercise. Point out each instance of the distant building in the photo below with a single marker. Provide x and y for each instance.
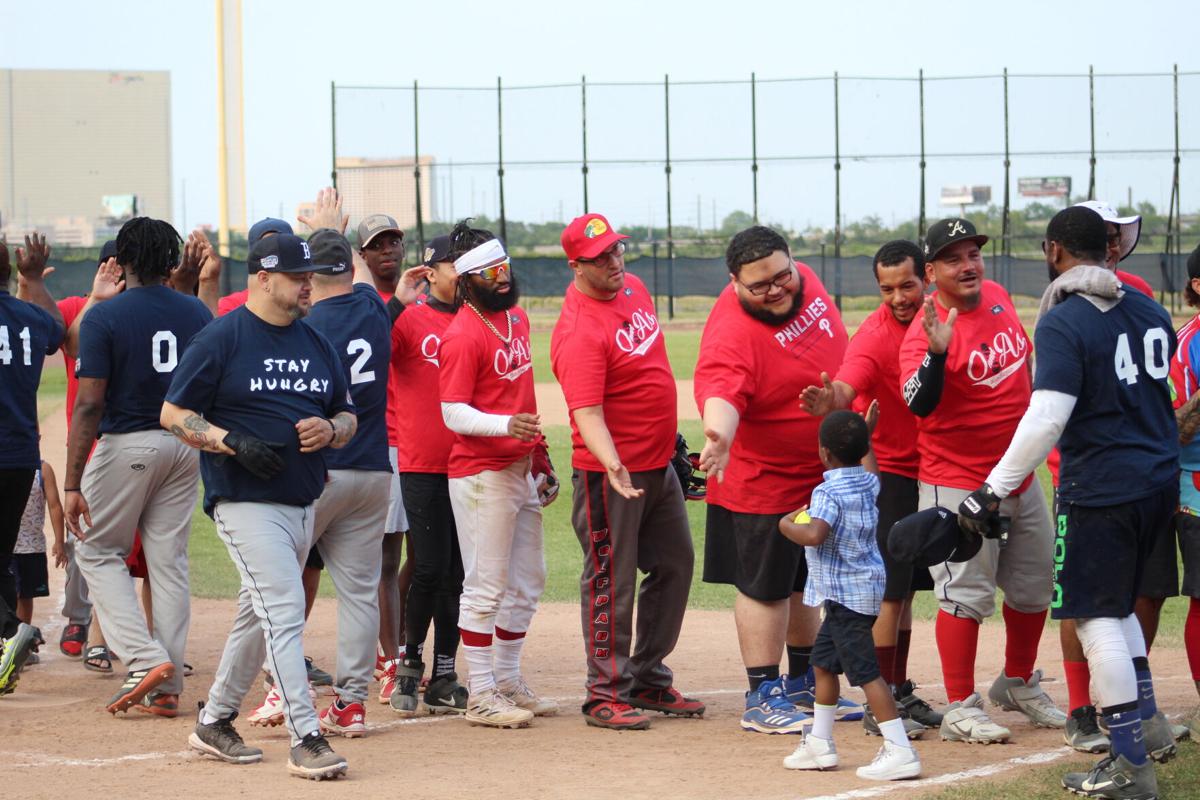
(385, 186)
(72, 140)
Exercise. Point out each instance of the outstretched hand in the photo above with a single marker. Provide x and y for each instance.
(818, 400)
(108, 281)
(939, 333)
(714, 457)
(327, 212)
(32, 258)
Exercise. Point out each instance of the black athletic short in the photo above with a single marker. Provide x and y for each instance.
(1188, 528)
(898, 497)
(1100, 554)
(30, 573)
(844, 645)
(1160, 577)
(749, 552)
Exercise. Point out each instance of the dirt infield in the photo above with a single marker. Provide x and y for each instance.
(59, 739)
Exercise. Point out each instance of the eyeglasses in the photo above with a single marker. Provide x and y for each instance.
(1114, 238)
(762, 287)
(493, 272)
(607, 257)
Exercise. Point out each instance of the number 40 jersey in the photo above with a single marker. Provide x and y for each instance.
(1121, 442)
(134, 341)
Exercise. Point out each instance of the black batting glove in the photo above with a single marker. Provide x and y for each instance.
(980, 513)
(257, 456)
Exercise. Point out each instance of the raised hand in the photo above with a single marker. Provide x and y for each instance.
(939, 333)
(31, 259)
(872, 416)
(819, 400)
(108, 281)
(410, 282)
(328, 213)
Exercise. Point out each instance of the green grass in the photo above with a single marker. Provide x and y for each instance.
(1178, 779)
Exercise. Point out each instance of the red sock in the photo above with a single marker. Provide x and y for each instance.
(1079, 678)
(957, 640)
(1022, 632)
(475, 638)
(1191, 638)
(508, 636)
(886, 656)
(900, 670)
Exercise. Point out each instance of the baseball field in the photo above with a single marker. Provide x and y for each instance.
(66, 742)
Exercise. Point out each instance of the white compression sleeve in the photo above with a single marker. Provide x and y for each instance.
(1035, 437)
(470, 421)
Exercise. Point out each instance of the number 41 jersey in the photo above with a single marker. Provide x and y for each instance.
(135, 341)
(1121, 442)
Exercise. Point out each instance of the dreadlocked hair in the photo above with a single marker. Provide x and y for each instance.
(149, 248)
(464, 238)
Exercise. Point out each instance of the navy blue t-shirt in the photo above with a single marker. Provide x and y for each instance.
(27, 335)
(250, 376)
(358, 326)
(135, 341)
(1121, 442)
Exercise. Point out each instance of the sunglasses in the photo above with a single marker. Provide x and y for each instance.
(493, 272)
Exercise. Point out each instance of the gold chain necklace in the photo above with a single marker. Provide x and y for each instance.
(506, 340)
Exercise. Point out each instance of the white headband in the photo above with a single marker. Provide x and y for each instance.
(488, 254)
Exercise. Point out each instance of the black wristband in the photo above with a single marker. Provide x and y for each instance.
(76, 489)
(332, 428)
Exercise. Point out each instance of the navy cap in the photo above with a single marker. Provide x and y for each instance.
(281, 253)
(931, 537)
(109, 250)
(265, 226)
(331, 253)
(437, 250)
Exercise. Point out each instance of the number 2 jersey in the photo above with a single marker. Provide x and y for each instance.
(134, 341)
(1121, 442)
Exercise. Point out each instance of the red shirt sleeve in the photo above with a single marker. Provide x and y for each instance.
(723, 370)
(459, 358)
(581, 366)
(1137, 282)
(860, 370)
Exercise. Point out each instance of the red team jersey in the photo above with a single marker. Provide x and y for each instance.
(478, 369)
(872, 367)
(760, 369)
(423, 443)
(70, 307)
(393, 392)
(985, 394)
(231, 301)
(611, 353)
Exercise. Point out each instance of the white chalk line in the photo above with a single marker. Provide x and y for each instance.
(951, 777)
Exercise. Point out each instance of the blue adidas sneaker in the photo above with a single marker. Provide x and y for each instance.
(768, 711)
(799, 692)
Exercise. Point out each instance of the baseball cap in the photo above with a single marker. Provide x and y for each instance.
(264, 226)
(374, 225)
(1130, 227)
(107, 251)
(589, 236)
(436, 251)
(946, 232)
(284, 252)
(331, 253)
(1193, 263)
(930, 537)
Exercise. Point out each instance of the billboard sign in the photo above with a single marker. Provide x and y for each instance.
(1056, 186)
(966, 195)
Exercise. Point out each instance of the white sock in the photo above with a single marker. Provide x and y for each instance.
(507, 660)
(893, 731)
(479, 662)
(206, 717)
(823, 721)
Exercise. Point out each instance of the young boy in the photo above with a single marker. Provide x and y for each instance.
(28, 565)
(846, 576)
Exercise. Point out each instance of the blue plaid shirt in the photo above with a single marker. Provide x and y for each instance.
(847, 567)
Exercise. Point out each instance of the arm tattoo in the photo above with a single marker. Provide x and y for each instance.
(344, 425)
(1188, 417)
(194, 433)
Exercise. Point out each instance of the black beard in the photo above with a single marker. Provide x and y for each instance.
(1052, 272)
(772, 318)
(484, 294)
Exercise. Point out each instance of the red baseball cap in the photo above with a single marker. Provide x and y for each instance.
(589, 236)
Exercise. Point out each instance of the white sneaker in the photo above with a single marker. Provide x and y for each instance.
(523, 697)
(1014, 694)
(270, 713)
(495, 710)
(966, 721)
(813, 753)
(892, 763)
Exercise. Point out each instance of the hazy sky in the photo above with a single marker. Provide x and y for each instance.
(292, 50)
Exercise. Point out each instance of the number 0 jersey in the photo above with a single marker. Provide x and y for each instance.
(1121, 442)
(134, 341)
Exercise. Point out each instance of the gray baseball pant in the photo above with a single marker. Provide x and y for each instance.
(348, 533)
(1024, 568)
(619, 537)
(141, 481)
(268, 543)
(77, 606)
